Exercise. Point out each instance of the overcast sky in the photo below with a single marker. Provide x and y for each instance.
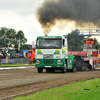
(20, 15)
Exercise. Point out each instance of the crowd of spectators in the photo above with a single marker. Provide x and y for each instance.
(5, 55)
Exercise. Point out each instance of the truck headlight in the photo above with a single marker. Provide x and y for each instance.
(58, 60)
(38, 61)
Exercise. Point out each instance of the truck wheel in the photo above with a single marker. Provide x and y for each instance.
(74, 66)
(40, 70)
(82, 67)
(63, 70)
(79, 65)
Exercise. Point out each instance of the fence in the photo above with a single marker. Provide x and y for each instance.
(15, 61)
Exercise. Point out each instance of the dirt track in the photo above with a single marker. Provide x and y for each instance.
(18, 81)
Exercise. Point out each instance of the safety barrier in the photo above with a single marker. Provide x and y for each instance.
(15, 61)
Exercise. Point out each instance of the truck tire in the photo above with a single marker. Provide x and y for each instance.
(74, 66)
(79, 65)
(82, 68)
(63, 70)
(40, 70)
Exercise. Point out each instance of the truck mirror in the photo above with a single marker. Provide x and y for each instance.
(63, 42)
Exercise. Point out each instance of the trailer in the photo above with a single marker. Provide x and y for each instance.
(84, 61)
(88, 58)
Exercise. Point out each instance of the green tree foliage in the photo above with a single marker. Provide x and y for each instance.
(98, 45)
(10, 38)
(74, 41)
(24, 47)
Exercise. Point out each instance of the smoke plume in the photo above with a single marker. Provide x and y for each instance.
(80, 11)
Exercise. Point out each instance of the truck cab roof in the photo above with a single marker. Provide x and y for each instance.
(49, 37)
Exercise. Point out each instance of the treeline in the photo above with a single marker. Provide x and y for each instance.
(11, 38)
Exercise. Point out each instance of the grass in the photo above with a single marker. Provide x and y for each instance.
(87, 90)
(15, 65)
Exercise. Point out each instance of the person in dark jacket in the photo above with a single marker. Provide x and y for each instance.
(3, 55)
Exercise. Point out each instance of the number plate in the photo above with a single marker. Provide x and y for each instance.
(47, 66)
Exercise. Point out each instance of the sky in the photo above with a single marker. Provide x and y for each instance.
(21, 15)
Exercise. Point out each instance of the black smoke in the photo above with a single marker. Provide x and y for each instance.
(80, 11)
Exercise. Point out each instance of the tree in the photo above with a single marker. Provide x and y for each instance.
(21, 39)
(10, 38)
(74, 41)
(98, 45)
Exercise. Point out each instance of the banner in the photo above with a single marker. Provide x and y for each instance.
(7, 61)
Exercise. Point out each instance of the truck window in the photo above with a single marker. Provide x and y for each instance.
(48, 43)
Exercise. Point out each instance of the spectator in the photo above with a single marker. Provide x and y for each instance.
(3, 55)
(8, 54)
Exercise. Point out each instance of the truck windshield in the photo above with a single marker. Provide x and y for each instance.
(48, 43)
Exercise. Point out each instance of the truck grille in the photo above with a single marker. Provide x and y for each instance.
(48, 61)
(48, 56)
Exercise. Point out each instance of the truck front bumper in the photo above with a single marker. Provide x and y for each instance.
(50, 63)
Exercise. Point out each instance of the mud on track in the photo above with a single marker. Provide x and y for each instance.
(18, 81)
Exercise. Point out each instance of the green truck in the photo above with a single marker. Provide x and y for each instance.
(52, 54)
